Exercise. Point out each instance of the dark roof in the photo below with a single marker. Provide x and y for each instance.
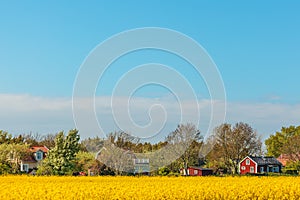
(28, 158)
(265, 160)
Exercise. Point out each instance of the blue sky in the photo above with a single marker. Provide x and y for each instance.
(255, 45)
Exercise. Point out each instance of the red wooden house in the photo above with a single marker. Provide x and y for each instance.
(256, 165)
(196, 171)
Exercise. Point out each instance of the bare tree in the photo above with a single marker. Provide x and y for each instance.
(117, 152)
(183, 142)
(118, 159)
(233, 144)
(292, 150)
(123, 140)
(48, 140)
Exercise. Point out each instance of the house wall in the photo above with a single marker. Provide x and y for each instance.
(267, 169)
(199, 172)
(191, 172)
(207, 172)
(246, 169)
(31, 165)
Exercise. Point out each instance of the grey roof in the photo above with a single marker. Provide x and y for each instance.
(265, 160)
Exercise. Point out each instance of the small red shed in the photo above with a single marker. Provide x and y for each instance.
(197, 171)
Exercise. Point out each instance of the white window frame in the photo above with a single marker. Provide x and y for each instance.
(25, 167)
(252, 170)
(41, 155)
(248, 162)
(195, 172)
(243, 168)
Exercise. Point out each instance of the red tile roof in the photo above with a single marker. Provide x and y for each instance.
(29, 156)
(285, 158)
(43, 149)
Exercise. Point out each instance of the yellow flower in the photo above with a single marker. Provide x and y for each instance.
(28, 187)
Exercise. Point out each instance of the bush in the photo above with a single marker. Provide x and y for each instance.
(5, 168)
(163, 171)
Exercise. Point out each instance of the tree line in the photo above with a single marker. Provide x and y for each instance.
(222, 151)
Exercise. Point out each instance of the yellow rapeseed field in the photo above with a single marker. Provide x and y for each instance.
(28, 187)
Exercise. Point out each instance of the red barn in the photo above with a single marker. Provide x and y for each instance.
(197, 171)
(254, 165)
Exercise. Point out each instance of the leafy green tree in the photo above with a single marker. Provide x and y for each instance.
(45, 168)
(85, 161)
(276, 143)
(61, 159)
(10, 157)
(5, 168)
(5, 137)
(18, 140)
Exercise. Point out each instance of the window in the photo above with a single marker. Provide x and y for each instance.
(247, 162)
(243, 168)
(195, 172)
(251, 169)
(25, 168)
(39, 155)
(276, 169)
(262, 169)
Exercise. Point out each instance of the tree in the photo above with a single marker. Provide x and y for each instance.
(292, 150)
(86, 162)
(116, 158)
(10, 157)
(123, 140)
(61, 159)
(233, 144)
(117, 152)
(83, 160)
(275, 143)
(5, 137)
(92, 144)
(185, 141)
(48, 141)
(32, 139)
(18, 140)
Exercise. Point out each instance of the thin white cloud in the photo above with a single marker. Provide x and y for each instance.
(25, 113)
(266, 118)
